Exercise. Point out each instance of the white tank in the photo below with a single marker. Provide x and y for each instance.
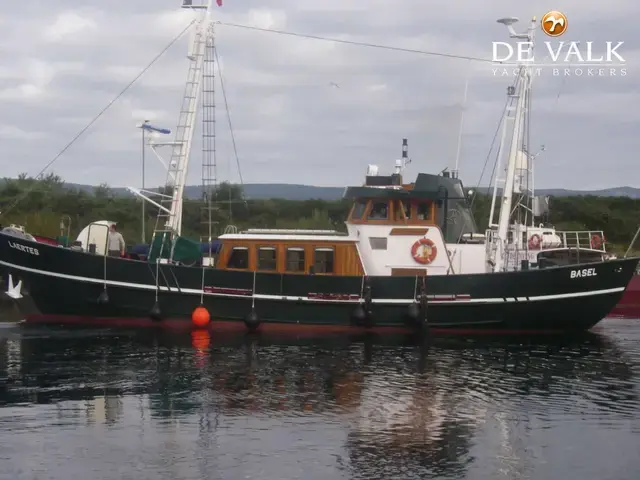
(550, 240)
(96, 233)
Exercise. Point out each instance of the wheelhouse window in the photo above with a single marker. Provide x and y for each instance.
(423, 210)
(239, 258)
(358, 209)
(400, 207)
(295, 259)
(267, 258)
(324, 260)
(379, 211)
(406, 206)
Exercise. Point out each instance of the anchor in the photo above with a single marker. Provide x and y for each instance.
(14, 291)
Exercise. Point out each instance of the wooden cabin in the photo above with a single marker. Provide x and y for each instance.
(290, 251)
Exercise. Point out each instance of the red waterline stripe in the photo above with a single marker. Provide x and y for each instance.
(228, 325)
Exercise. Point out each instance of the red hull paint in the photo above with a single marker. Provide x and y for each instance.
(235, 326)
(629, 304)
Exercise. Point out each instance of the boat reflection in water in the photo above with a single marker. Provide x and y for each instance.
(352, 404)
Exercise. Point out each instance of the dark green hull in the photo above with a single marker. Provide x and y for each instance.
(65, 286)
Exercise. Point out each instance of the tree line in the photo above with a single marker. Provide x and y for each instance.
(43, 203)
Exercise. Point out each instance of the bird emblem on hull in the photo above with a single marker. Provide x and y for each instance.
(14, 292)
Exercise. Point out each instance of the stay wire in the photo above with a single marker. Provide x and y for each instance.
(96, 118)
(486, 161)
(226, 107)
(356, 43)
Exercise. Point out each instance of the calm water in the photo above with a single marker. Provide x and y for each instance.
(101, 404)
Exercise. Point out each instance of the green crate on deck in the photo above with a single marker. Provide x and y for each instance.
(185, 250)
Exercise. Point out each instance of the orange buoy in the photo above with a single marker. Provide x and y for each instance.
(200, 317)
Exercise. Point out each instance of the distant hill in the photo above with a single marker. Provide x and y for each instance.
(305, 192)
(561, 192)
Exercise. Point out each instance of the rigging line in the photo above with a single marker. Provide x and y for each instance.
(97, 117)
(360, 44)
(559, 92)
(494, 174)
(560, 89)
(486, 161)
(226, 107)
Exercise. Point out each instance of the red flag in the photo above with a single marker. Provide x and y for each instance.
(219, 2)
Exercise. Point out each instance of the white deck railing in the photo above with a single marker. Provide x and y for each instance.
(593, 239)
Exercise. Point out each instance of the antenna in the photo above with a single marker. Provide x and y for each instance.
(405, 152)
(508, 22)
(402, 163)
(454, 173)
(197, 6)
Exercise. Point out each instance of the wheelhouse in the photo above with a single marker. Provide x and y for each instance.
(432, 200)
(390, 211)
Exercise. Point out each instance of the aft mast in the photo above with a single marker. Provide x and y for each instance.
(520, 92)
(169, 221)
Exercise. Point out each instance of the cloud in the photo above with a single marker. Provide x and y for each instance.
(305, 110)
(69, 25)
(11, 132)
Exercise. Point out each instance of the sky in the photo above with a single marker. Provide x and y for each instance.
(308, 111)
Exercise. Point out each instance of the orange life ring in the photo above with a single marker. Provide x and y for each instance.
(534, 242)
(596, 241)
(424, 251)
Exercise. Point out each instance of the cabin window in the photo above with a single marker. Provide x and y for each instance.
(239, 258)
(379, 211)
(406, 206)
(378, 243)
(524, 239)
(399, 207)
(267, 259)
(295, 259)
(324, 260)
(509, 237)
(358, 209)
(423, 210)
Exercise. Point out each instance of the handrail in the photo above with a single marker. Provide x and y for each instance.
(106, 240)
(68, 226)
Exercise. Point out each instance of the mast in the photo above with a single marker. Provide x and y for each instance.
(143, 238)
(169, 220)
(503, 137)
(209, 167)
(520, 93)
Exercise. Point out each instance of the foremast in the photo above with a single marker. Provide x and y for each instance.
(169, 220)
(517, 115)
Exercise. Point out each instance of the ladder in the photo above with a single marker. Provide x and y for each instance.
(169, 220)
(209, 169)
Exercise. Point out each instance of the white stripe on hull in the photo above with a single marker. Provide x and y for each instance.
(433, 299)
